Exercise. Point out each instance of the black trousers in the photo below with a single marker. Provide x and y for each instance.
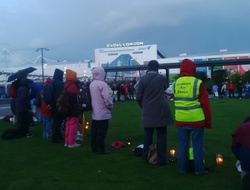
(99, 130)
(56, 128)
(161, 133)
(23, 122)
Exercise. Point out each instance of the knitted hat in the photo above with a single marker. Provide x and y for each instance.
(70, 75)
(153, 65)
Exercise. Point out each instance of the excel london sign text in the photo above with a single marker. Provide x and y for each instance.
(125, 44)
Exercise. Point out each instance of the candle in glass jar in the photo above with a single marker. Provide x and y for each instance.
(172, 152)
(219, 159)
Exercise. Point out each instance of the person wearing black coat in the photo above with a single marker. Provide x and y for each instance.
(156, 114)
(22, 107)
(57, 117)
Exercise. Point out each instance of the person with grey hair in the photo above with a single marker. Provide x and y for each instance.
(156, 114)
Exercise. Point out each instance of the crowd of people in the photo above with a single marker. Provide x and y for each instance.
(30, 94)
(192, 112)
(123, 91)
(229, 90)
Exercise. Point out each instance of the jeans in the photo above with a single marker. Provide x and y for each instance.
(47, 126)
(197, 136)
(38, 114)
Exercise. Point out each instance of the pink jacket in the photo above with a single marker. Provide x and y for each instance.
(101, 100)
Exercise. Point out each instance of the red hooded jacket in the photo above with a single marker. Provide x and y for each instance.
(188, 68)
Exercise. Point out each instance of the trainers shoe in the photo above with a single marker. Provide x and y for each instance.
(74, 145)
(66, 145)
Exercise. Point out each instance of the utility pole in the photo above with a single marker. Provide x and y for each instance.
(42, 49)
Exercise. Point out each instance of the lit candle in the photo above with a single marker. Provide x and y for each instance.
(172, 152)
(87, 125)
(129, 141)
(219, 159)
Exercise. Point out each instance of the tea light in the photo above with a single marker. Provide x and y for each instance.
(87, 125)
(172, 152)
(219, 159)
(129, 141)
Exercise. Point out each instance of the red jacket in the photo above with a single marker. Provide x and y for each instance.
(240, 136)
(43, 109)
(231, 86)
(188, 69)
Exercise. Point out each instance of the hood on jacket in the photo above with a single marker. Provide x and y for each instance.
(48, 80)
(58, 75)
(98, 73)
(25, 82)
(188, 68)
(71, 75)
(36, 87)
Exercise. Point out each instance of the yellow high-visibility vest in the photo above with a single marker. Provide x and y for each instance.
(187, 105)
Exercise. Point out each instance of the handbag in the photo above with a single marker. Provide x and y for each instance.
(152, 154)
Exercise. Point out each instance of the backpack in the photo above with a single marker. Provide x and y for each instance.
(12, 91)
(62, 103)
(152, 154)
(48, 93)
(10, 134)
(84, 99)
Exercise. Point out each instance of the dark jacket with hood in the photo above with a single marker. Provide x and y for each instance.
(23, 96)
(58, 86)
(188, 68)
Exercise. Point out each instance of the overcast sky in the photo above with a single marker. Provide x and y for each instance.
(72, 29)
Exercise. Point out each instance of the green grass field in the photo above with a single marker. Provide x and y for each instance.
(36, 163)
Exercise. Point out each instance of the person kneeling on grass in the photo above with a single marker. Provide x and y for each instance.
(241, 149)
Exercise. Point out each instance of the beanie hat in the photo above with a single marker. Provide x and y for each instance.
(153, 65)
(70, 75)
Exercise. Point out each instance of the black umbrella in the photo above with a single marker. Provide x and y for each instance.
(21, 73)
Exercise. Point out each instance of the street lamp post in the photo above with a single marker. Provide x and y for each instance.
(42, 49)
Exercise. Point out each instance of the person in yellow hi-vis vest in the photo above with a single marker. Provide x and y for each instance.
(192, 115)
